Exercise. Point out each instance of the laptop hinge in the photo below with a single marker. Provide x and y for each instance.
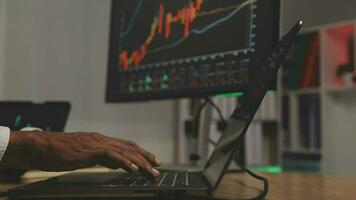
(208, 182)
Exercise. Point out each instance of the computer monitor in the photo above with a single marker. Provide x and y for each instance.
(189, 48)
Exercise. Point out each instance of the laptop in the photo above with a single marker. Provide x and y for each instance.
(48, 116)
(124, 185)
(17, 115)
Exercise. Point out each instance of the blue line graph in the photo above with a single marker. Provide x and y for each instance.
(133, 18)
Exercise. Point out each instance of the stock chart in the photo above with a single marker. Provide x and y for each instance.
(176, 46)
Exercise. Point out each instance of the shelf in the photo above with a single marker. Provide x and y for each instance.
(262, 120)
(302, 91)
(303, 151)
(340, 89)
(319, 90)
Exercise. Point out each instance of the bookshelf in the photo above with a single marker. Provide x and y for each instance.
(318, 95)
(324, 97)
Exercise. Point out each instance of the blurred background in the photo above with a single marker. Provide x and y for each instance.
(54, 50)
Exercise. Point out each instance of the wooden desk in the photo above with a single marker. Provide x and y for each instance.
(284, 186)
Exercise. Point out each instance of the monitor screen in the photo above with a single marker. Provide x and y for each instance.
(190, 48)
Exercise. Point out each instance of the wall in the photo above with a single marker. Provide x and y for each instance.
(316, 12)
(2, 45)
(57, 50)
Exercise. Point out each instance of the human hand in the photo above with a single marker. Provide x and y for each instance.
(69, 151)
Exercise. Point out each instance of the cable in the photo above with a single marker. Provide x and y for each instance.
(261, 178)
(222, 118)
(196, 120)
(212, 142)
(260, 196)
(212, 103)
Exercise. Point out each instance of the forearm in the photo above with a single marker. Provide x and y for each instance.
(21, 150)
(57, 151)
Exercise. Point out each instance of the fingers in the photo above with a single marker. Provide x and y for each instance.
(147, 155)
(141, 162)
(130, 160)
(130, 156)
(113, 160)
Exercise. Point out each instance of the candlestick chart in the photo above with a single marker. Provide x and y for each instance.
(156, 31)
(171, 48)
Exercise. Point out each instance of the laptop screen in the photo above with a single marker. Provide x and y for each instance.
(243, 114)
(49, 116)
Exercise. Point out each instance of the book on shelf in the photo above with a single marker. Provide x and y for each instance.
(309, 121)
(261, 144)
(286, 122)
(346, 71)
(253, 144)
(270, 143)
(310, 76)
(301, 68)
(315, 128)
(268, 108)
(301, 162)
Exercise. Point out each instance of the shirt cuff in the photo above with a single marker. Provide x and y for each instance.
(4, 140)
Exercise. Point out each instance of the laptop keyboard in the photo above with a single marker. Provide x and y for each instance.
(165, 179)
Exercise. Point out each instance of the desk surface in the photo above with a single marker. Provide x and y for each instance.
(282, 186)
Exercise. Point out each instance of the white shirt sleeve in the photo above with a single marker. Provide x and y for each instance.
(4, 140)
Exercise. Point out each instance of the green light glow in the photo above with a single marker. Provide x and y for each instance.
(148, 79)
(235, 94)
(270, 169)
(165, 77)
(131, 89)
(17, 120)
